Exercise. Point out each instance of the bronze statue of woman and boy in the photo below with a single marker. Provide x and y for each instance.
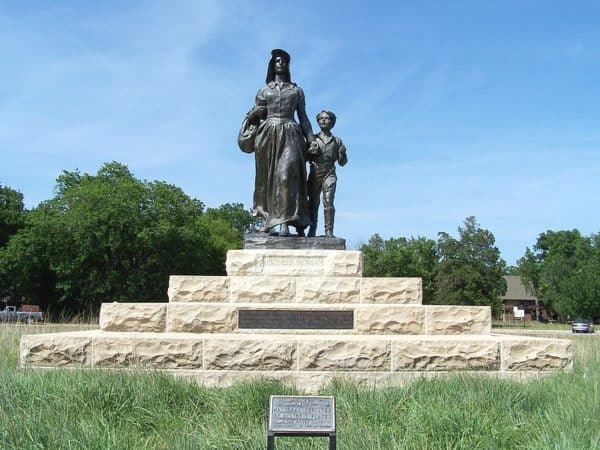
(283, 195)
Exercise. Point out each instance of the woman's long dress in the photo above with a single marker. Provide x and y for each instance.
(280, 189)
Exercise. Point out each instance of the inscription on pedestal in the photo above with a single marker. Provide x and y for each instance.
(307, 264)
(295, 319)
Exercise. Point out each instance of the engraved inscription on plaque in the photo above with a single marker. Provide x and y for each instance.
(277, 319)
(301, 414)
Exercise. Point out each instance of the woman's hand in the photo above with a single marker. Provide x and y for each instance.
(257, 113)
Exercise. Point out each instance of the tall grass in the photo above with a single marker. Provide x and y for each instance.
(81, 409)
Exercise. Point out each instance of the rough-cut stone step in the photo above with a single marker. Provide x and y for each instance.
(224, 318)
(218, 359)
(312, 263)
(280, 289)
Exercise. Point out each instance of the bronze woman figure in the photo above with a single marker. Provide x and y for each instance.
(280, 145)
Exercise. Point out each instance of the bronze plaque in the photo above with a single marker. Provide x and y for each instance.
(295, 319)
(301, 414)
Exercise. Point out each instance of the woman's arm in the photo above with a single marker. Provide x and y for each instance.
(303, 118)
(259, 111)
(342, 155)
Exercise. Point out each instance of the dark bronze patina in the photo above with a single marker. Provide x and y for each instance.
(279, 144)
(263, 240)
(322, 178)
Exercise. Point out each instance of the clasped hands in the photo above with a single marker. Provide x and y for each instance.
(313, 148)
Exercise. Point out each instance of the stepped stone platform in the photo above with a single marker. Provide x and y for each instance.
(300, 316)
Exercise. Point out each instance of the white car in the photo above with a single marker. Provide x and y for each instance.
(582, 326)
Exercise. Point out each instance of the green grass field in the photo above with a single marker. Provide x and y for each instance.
(89, 409)
(526, 325)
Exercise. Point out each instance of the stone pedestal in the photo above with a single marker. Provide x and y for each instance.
(300, 316)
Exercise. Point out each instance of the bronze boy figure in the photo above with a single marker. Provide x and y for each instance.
(322, 177)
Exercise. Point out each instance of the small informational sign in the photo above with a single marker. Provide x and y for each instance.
(301, 414)
(518, 313)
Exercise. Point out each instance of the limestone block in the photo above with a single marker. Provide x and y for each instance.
(201, 318)
(392, 290)
(294, 262)
(445, 354)
(536, 354)
(133, 316)
(377, 379)
(328, 290)
(298, 263)
(244, 263)
(144, 352)
(351, 355)
(187, 288)
(250, 354)
(309, 381)
(343, 264)
(55, 350)
(387, 319)
(262, 289)
(453, 319)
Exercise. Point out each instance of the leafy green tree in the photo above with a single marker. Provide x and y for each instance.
(11, 213)
(112, 237)
(25, 270)
(401, 257)
(579, 292)
(12, 218)
(470, 269)
(234, 213)
(563, 269)
(512, 270)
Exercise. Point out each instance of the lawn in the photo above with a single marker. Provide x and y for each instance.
(532, 325)
(91, 409)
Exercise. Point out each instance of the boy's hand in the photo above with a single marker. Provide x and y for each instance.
(313, 149)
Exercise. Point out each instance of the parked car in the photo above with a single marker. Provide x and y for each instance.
(582, 326)
(26, 313)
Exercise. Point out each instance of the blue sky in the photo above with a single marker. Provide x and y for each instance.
(448, 108)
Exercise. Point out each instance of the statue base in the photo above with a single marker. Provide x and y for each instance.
(304, 317)
(258, 240)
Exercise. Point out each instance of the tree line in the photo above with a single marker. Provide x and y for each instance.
(112, 237)
(466, 270)
(562, 269)
(109, 237)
